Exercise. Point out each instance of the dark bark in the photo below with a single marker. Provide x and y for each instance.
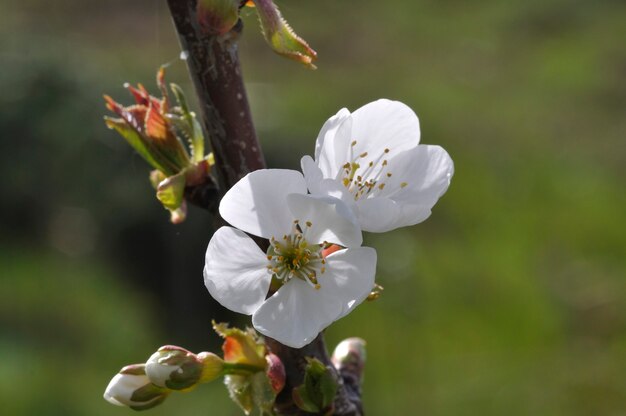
(213, 64)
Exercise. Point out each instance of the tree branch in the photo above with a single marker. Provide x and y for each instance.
(213, 65)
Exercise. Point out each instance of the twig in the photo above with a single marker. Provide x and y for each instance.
(213, 64)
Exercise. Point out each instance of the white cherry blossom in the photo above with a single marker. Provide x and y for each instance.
(314, 290)
(372, 160)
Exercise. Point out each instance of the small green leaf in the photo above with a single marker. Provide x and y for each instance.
(263, 395)
(240, 391)
(281, 37)
(171, 190)
(319, 388)
(135, 140)
(192, 128)
(303, 401)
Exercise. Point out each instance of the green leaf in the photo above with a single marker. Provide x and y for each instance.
(191, 128)
(281, 37)
(263, 395)
(135, 140)
(240, 391)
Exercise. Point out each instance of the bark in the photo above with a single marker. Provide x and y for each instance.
(213, 64)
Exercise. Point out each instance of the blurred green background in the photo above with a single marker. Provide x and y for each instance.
(509, 300)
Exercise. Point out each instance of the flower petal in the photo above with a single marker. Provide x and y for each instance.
(384, 124)
(426, 170)
(312, 174)
(235, 271)
(329, 130)
(256, 204)
(319, 186)
(349, 276)
(296, 313)
(329, 218)
(379, 215)
(334, 150)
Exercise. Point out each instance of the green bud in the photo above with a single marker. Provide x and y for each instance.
(217, 17)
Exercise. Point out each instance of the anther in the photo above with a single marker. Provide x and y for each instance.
(403, 184)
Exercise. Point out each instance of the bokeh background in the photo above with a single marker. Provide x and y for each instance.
(509, 300)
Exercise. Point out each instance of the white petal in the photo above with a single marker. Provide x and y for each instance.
(349, 276)
(256, 204)
(331, 220)
(384, 124)
(312, 174)
(329, 129)
(334, 152)
(378, 215)
(327, 187)
(296, 313)
(427, 171)
(235, 272)
(122, 386)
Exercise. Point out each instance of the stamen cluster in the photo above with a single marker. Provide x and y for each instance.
(363, 183)
(293, 256)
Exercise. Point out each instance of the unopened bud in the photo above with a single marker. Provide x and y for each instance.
(212, 366)
(275, 372)
(349, 355)
(178, 369)
(131, 387)
(217, 17)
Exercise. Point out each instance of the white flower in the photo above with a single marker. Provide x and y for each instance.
(315, 290)
(372, 160)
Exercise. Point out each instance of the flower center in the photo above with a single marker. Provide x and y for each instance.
(293, 256)
(363, 178)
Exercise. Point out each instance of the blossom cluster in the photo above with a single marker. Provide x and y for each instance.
(368, 173)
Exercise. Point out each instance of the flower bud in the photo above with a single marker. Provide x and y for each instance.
(275, 372)
(349, 355)
(217, 17)
(131, 387)
(213, 366)
(178, 369)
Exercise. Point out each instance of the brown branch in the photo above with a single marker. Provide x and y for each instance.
(213, 64)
